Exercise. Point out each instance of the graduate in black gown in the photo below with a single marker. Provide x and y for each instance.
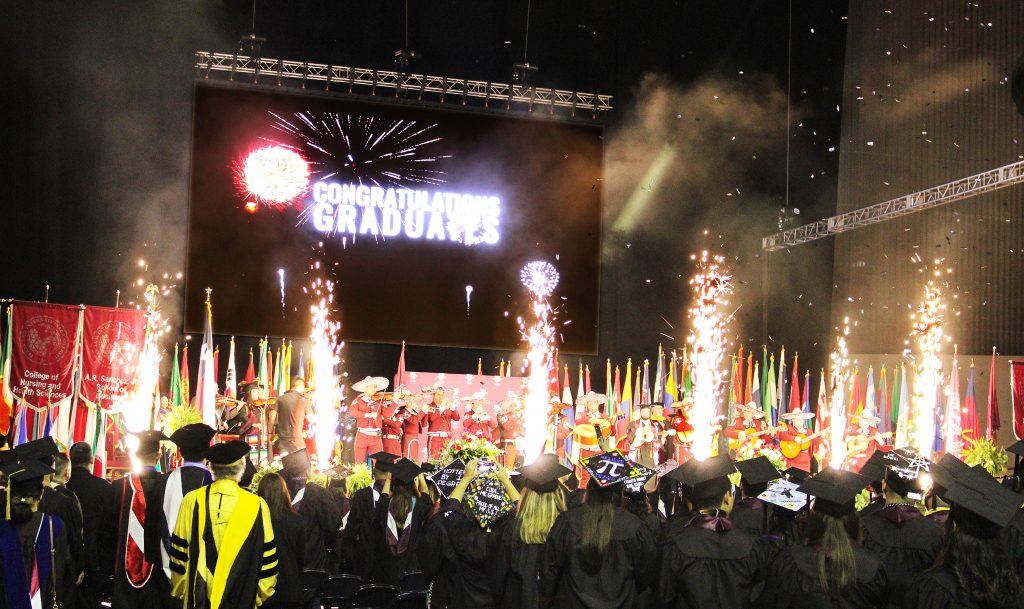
(139, 580)
(598, 556)
(353, 538)
(400, 518)
(93, 494)
(515, 549)
(289, 535)
(35, 561)
(750, 513)
(707, 560)
(829, 569)
(976, 571)
(317, 508)
(904, 540)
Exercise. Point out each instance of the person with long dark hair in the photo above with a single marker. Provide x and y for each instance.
(397, 531)
(290, 535)
(706, 560)
(34, 554)
(904, 540)
(976, 571)
(515, 550)
(598, 556)
(829, 569)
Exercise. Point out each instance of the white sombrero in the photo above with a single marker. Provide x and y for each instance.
(437, 386)
(479, 396)
(797, 415)
(377, 381)
(589, 397)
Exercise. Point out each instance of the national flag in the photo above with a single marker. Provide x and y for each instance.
(21, 423)
(780, 393)
(795, 401)
(658, 397)
(250, 372)
(216, 367)
(883, 402)
(937, 421)
(580, 387)
(186, 390)
(175, 390)
(6, 395)
(586, 372)
(687, 379)
(278, 369)
(230, 382)
(821, 417)
(953, 412)
(747, 396)
(261, 375)
(869, 394)
(288, 368)
(617, 392)
(731, 385)
(805, 403)
(771, 403)
(609, 391)
(903, 425)
(566, 393)
(645, 388)
(400, 373)
(637, 392)
(206, 380)
(755, 390)
(626, 406)
(894, 405)
(738, 382)
(969, 414)
(993, 400)
(671, 391)
(856, 399)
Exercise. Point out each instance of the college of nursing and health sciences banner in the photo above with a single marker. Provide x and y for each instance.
(45, 339)
(112, 342)
(460, 386)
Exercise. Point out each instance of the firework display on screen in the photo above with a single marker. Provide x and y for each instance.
(412, 209)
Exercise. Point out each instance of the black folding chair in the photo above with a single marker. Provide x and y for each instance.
(338, 590)
(374, 596)
(413, 581)
(312, 579)
(410, 600)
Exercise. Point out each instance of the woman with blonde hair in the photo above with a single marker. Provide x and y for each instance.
(517, 546)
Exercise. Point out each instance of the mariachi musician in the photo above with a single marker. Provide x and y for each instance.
(440, 414)
(589, 423)
(863, 439)
(414, 419)
(510, 427)
(478, 422)
(679, 422)
(366, 407)
(238, 416)
(644, 437)
(748, 427)
(796, 441)
(392, 420)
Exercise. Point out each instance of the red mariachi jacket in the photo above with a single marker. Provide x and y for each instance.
(413, 424)
(441, 421)
(367, 412)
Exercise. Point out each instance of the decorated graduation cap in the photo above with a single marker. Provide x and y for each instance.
(404, 471)
(295, 464)
(786, 494)
(608, 468)
(979, 505)
(638, 477)
(227, 453)
(906, 472)
(710, 478)
(834, 491)
(24, 476)
(756, 473)
(543, 474)
(149, 441)
(487, 500)
(193, 437)
(41, 450)
(448, 477)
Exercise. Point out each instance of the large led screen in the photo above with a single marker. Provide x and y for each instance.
(422, 216)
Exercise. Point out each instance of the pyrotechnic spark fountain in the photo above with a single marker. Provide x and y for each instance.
(324, 353)
(540, 338)
(840, 377)
(469, 294)
(280, 279)
(273, 175)
(927, 332)
(711, 287)
(139, 406)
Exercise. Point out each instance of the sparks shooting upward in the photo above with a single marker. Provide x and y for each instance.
(840, 376)
(927, 332)
(364, 149)
(711, 287)
(280, 279)
(540, 358)
(324, 353)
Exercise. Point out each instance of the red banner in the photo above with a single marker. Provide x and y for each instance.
(1017, 393)
(112, 340)
(45, 343)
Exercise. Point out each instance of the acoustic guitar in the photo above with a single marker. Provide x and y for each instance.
(791, 449)
(747, 434)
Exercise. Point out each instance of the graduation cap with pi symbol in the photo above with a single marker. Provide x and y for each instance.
(608, 468)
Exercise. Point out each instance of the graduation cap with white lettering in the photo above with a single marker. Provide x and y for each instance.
(834, 491)
(543, 474)
(980, 506)
(448, 477)
(608, 468)
(638, 478)
(487, 500)
(906, 472)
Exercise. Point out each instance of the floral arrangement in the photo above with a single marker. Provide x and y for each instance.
(750, 450)
(467, 447)
(180, 416)
(360, 477)
(988, 454)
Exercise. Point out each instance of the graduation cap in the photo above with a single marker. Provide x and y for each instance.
(795, 473)
(638, 478)
(906, 472)
(874, 469)
(544, 473)
(149, 441)
(681, 473)
(945, 472)
(193, 438)
(487, 500)
(26, 475)
(980, 506)
(1017, 450)
(226, 453)
(383, 460)
(249, 473)
(785, 494)
(404, 471)
(607, 468)
(428, 468)
(448, 477)
(295, 464)
(709, 478)
(834, 491)
(756, 472)
(41, 450)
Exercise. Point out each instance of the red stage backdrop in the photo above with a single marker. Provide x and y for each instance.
(1017, 392)
(112, 340)
(45, 341)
